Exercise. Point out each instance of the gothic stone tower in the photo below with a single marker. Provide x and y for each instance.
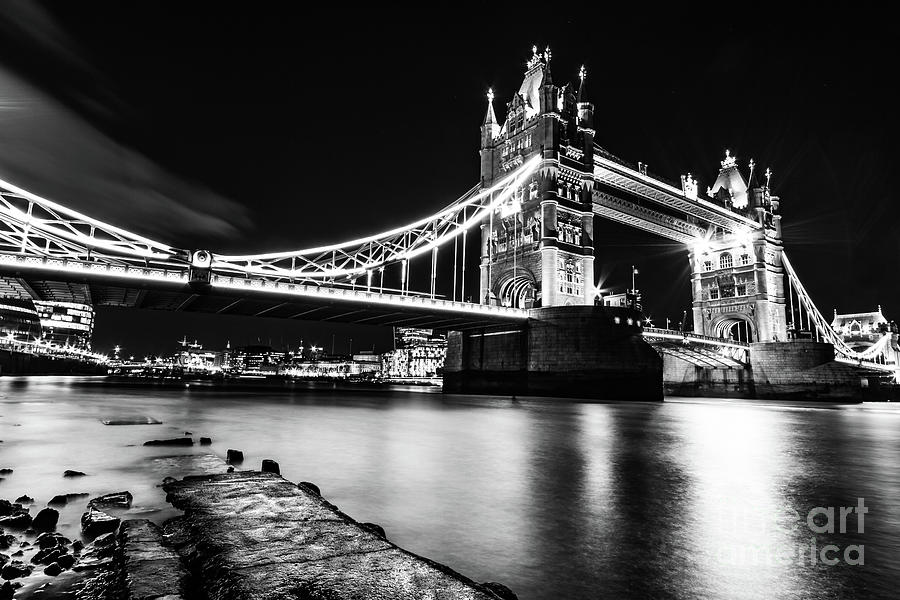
(538, 250)
(738, 277)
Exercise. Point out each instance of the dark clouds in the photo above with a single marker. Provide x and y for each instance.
(53, 151)
(47, 149)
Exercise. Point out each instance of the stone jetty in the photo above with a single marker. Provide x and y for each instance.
(251, 534)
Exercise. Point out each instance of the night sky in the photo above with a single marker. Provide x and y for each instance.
(256, 127)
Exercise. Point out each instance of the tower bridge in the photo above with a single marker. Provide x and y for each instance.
(543, 180)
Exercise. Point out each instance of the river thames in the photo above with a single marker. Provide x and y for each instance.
(689, 498)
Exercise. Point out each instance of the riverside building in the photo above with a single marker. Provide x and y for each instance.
(418, 353)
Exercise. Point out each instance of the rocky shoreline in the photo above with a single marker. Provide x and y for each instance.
(242, 535)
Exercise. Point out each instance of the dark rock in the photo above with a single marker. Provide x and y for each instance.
(66, 498)
(46, 520)
(66, 561)
(375, 528)
(53, 570)
(500, 590)
(101, 548)
(310, 487)
(95, 522)
(25, 500)
(46, 540)
(229, 470)
(17, 554)
(117, 499)
(16, 569)
(6, 471)
(183, 441)
(48, 555)
(77, 546)
(17, 521)
(71, 473)
(134, 421)
(234, 456)
(7, 508)
(24, 545)
(270, 466)
(188, 433)
(51, 540)
(6, 541)
(168, 480)
(104, 541)
(91, 564)
(7, 591)
(3, 559)
(205, 441)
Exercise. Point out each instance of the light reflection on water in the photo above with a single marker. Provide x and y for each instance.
(683, 499)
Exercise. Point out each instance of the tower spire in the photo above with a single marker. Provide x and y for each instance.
(582, 91)
(752, 179)
(548, 78)
(490, 118)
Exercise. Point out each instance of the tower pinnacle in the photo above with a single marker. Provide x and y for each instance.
(730, 161)
(582, 75)
(490, 118)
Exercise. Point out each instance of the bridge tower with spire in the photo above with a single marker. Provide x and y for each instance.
(737, 277)
(537, 250)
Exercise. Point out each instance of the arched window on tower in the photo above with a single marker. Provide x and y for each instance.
(725, 261)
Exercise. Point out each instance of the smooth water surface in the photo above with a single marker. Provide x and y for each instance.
(555, 499)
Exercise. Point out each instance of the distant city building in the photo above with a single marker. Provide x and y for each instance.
(408, 337)
(367, 363)
(259, 360)
(862, 330)
(418, 353)
(66, 323)
(193, 357)
(19, 320)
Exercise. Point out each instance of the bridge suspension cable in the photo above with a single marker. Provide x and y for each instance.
(356, 257)
(824, 330)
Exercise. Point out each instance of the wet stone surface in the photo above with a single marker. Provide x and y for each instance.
(255, 535)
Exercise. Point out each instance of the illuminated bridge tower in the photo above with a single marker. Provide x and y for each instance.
(538, 249)
(737, 277)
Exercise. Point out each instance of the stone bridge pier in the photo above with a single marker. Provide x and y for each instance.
(591, 352)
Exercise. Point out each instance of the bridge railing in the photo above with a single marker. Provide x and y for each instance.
(686, 336)
(166, 272)
(255, 284)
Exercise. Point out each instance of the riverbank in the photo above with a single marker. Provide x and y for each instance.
(23, 363)
(242, 535)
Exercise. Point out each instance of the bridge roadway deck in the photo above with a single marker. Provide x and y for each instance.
(170, 290)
